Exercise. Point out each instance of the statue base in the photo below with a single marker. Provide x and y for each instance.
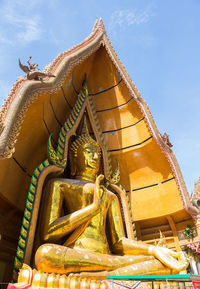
(29, 278)
(33, 279)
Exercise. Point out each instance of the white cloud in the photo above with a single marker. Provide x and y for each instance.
(129, 17)
(19, 23)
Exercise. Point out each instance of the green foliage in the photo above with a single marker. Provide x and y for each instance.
(189, 232)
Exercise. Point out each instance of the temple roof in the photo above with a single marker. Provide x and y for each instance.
(149, 170)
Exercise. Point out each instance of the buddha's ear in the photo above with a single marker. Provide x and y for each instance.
(72, 160)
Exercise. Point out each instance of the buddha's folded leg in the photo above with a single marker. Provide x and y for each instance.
(143, 268)
(59, 259)
(149, 267)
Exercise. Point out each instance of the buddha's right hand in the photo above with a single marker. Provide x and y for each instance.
(173, 260)
(97, 191)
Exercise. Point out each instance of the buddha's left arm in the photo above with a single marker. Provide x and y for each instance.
(119, 243)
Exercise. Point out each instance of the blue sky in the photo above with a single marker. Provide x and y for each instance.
(157, 41)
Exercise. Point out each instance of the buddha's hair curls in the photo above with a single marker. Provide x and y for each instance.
(80, 141)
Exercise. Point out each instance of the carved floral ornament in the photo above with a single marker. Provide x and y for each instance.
(194, 247)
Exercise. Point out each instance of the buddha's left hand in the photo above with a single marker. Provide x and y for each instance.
(173, 260)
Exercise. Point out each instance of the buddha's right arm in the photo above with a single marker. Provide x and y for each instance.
(55, 227)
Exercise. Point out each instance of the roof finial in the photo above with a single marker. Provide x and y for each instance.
(101, 25)
(95, 24)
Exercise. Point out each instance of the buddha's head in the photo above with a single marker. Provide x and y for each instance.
(85, 154)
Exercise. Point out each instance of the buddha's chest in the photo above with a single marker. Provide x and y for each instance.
(79, 196)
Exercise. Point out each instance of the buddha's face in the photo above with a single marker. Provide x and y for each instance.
(88, 158)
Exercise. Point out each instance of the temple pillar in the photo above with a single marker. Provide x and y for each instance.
(197, 225)
(193, 266)
(198, 266)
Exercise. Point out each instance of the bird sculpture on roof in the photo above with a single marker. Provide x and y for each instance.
(33, 72)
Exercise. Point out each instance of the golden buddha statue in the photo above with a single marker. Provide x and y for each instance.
(85, 217)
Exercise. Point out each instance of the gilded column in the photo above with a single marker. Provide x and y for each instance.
(197, 225)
